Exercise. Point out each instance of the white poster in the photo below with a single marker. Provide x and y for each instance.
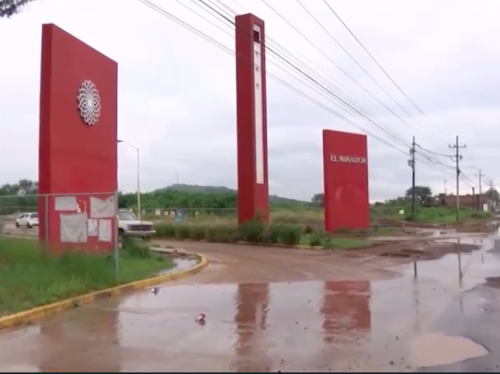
(105, 230)
(158, 212)
(102, 208)
(65, 203)
(92, 227)
(73, 227)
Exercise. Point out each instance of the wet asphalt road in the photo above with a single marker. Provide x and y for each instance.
(475, 314)
(268, 311)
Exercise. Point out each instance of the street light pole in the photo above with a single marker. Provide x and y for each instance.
(139, 211)
(138, 177)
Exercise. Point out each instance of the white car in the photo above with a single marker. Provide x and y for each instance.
(27, 219)
(129, 225)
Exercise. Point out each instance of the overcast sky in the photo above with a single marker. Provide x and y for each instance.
(177, 91)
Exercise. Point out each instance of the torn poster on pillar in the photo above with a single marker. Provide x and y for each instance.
(73, 227)
(105, 230)
(92, 227)
(102, 208)
(65, 203)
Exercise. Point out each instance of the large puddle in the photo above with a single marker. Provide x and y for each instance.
(392, 325)
(435, 349)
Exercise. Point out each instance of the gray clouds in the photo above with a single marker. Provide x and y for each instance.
(177, 91)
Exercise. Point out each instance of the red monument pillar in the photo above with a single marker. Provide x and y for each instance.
(77, 170)
(345, 176)
(253, 194)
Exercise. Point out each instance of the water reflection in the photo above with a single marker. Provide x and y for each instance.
(312, 326)
(90, 338)
(252, 306)
(345, 309)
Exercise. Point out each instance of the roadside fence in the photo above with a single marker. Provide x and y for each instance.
(86, 221)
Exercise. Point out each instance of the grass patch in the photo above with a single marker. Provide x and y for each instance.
(29, 279)
(256, 232)
(333, 242)
(447, 215)
(347, 243)
(313, 218)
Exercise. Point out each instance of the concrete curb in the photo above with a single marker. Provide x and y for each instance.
(31, 315)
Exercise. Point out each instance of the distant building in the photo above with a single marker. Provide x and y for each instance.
(470, 201)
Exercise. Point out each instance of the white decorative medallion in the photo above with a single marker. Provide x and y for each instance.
(89, 103)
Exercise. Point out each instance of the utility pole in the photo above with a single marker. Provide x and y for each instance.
(411, 163)
(445, 189)
(458, 157)
(480, 176)
(474, 205)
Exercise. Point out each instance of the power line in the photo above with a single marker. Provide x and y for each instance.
(280, 81)
(359, 110)
(307, 75)
(228, 50)
(428, 157)
(334, 63)
(357, 63)
(381, 68)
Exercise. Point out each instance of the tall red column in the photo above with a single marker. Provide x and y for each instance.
(253, 194)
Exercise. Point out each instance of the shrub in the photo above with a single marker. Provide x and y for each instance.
(251, 231)
(221, 233)
(134, 248)
(316, 238)
(290, 234)
(183, 232)
(166, 230)
(197, 232)
(308, 229)
(272, 234)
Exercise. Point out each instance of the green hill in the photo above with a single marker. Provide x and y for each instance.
(190, 188)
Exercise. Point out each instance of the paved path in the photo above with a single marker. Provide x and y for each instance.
(272, 310)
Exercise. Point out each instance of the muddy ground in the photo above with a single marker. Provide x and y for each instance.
(413, 250)
(248, 263)
(287, 310)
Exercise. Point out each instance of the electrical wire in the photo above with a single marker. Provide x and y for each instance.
(295, 77)
(279, 14)
(432, 160)
(357, 64)
(226, 49)
(345, 73)
(382, 69)
(279, 80)
(422, 150)
(356, 110)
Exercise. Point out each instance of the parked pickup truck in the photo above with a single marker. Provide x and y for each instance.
(129, 225)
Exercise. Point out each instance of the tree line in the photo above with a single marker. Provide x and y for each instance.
(22, 195)
(423, 197)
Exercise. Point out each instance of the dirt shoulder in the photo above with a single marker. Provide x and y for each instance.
(230, 263)
(469, 225)
(411, 250)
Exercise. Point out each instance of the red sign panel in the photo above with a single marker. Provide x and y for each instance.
(78, 129)
(253, 194)
(345, 168)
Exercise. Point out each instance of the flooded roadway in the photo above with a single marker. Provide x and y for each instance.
(284, 310)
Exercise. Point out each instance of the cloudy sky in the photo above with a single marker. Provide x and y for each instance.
(177, 91)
